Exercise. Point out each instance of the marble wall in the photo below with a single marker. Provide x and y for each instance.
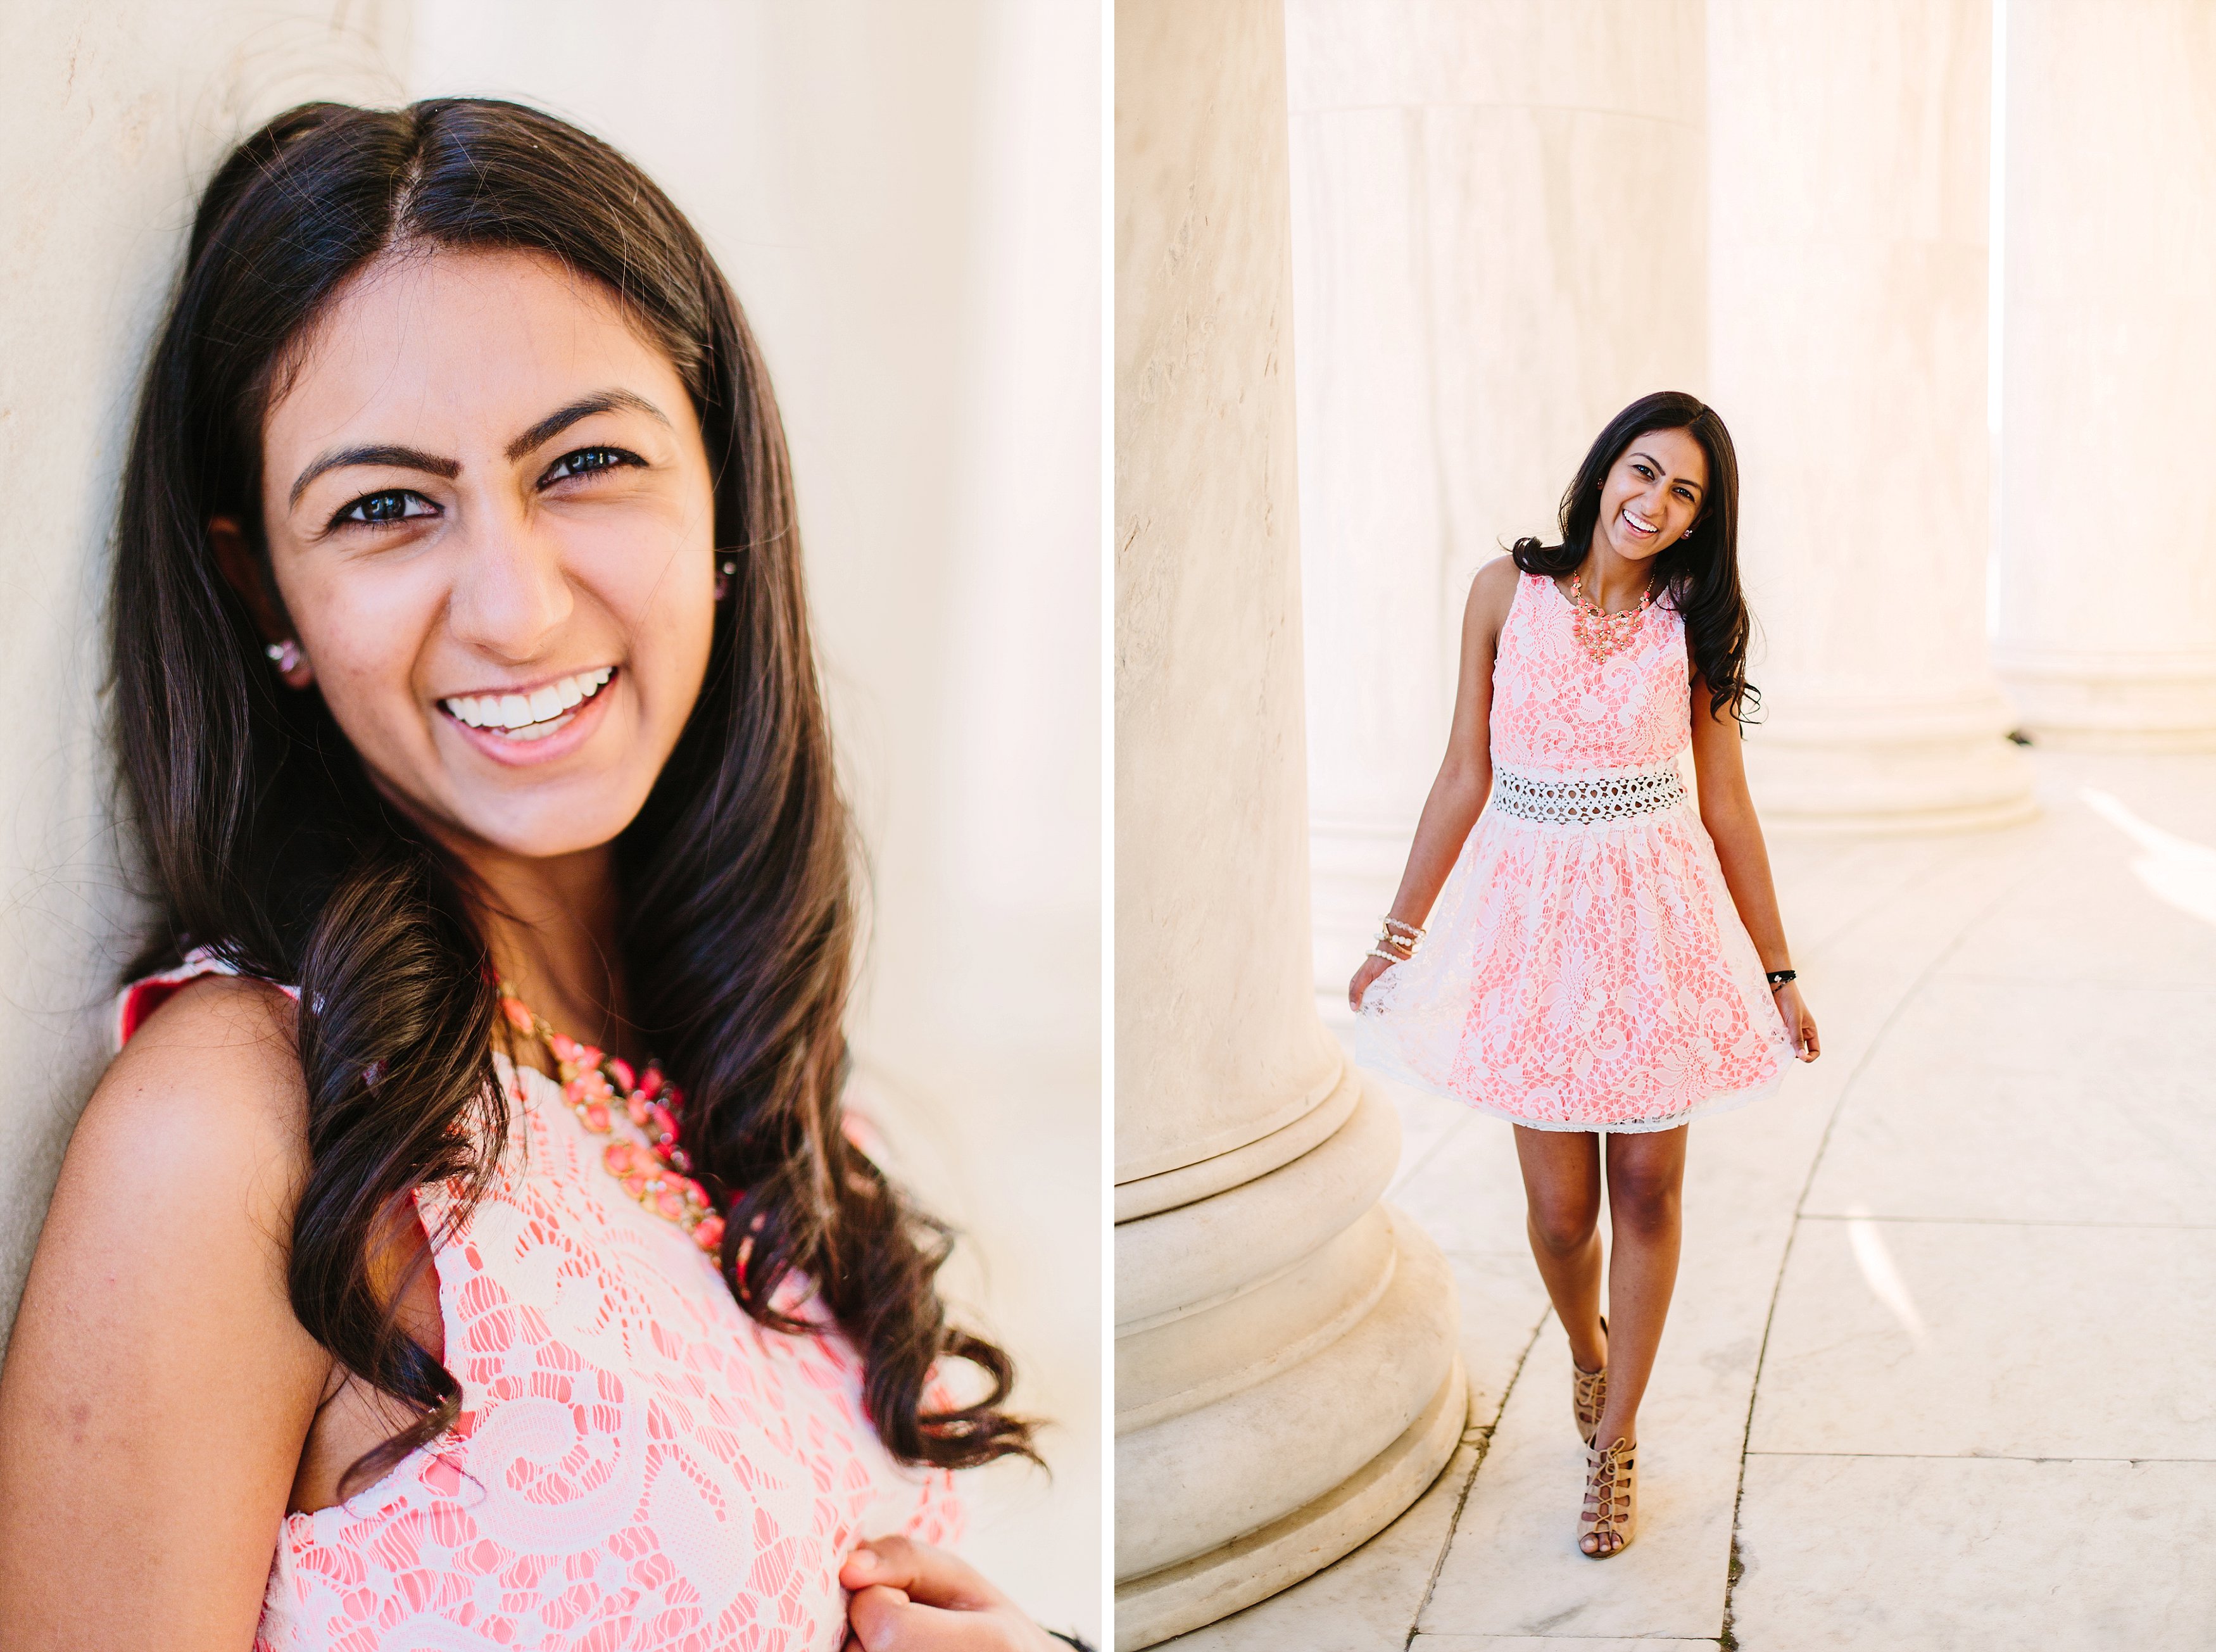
(1847, 352)
(112, 119)
(2107, 611)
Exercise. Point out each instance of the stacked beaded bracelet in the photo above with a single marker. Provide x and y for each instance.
(1409, 937)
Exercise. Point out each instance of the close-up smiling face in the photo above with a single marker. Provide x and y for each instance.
(1654, 493)
(490, 524)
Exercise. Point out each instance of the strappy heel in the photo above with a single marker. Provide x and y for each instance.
(1588, 1393)
(1611, 1506)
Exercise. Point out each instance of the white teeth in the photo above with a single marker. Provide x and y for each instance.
(534, 717)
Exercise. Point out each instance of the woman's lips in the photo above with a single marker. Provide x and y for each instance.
(546, 741)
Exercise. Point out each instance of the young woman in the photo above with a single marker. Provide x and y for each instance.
(1605, 963)
(464, 1250)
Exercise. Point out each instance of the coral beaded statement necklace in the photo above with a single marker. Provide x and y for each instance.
(1599, 633)
(597, 1086)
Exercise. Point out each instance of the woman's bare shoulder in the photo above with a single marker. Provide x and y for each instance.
(1492, 593)
(159, 1388)
(213, 1074)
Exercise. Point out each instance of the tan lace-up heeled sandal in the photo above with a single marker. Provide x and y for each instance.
(1604, 1525)
(1588, 1393)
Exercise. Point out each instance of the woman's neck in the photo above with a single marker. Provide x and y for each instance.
(1612, 583)
(551, 927)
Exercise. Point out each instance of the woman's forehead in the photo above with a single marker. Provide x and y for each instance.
(453, 339)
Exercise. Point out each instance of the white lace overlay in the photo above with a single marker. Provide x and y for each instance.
(638, 1464)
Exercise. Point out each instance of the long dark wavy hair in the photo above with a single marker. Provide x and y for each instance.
(262, 835)
(1698, 575)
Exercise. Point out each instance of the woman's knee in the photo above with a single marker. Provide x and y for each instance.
(1562, 1227)
(1645, 1197)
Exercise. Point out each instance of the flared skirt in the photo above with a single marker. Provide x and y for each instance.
(1591, 976)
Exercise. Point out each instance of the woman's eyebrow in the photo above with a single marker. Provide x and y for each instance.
(1640, 453)
(405, 459)
(414, 459)
(604, 401)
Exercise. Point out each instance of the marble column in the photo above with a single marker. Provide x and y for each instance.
(1847, 153)
(2107, 552)
(1286, 1375)
(1498, 241)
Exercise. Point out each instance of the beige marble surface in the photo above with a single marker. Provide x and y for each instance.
(1952, 1554)
(1216, 1038)
(1847, 167)
(1919, 1274)
(1550, 1642)
(2108, 344)
(1302, 1449)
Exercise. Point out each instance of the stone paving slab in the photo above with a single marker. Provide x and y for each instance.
(1992, 1339)
(1547, 1643)
(1963, 1554)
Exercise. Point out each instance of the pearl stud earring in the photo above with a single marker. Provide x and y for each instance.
(286, 654)
(725, 570)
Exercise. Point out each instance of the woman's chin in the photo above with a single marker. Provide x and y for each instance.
(558, 816)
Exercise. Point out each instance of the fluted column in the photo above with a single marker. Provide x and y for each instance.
(2108, 550)
(1499, 240)
(1286, 1378)
(1847, 153)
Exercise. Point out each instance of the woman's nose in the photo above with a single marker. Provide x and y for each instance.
(511, 593)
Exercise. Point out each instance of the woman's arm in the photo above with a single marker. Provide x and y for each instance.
(1465, 775)
(157, 1389)
(1727, 812)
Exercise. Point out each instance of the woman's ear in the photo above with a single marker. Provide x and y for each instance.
(242, 571)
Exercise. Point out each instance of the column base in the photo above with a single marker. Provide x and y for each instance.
(2084, 700)
(1182, 1597)
(1832, 764)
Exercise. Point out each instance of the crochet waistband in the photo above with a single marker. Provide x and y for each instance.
(1584, 800)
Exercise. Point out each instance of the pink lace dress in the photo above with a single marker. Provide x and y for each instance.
(637, 1464)
(1585, 967)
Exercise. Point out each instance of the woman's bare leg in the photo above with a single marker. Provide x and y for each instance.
(1645, 1178)
(1561, 1192)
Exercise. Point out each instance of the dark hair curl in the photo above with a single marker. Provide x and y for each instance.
(261, 833)
(1698, 575)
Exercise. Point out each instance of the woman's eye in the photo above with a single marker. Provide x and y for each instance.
(585, 461)
(393, 505)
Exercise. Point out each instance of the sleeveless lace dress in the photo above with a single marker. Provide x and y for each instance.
(637, 1464)
(1585, 968)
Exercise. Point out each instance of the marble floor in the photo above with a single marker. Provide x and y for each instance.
(1941, 1371)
